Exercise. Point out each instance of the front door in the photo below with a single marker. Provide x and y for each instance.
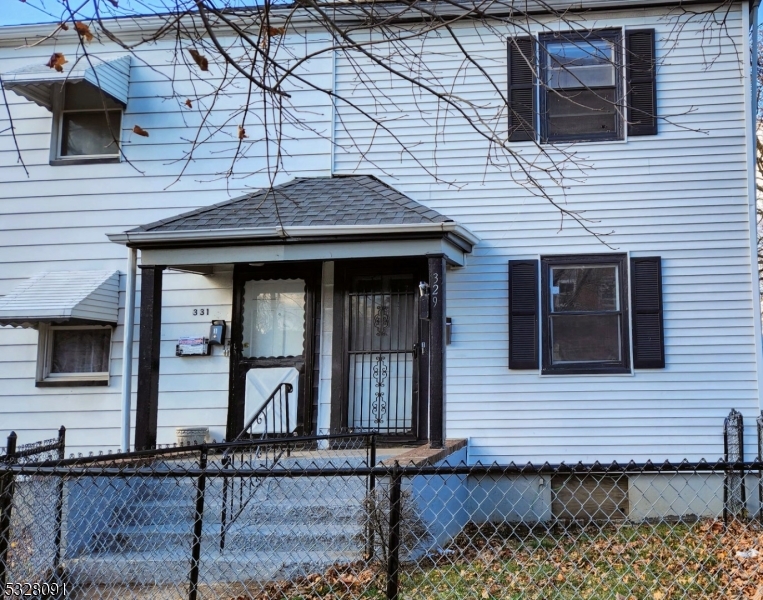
(381, 354)
(271, 342)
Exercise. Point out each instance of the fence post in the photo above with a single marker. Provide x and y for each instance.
(371, 510)
(198, 525)
(393, 554)
(6, 505)
(10, 451)
(59, 502)
(733, 451)
(759, 422)
(224, 511)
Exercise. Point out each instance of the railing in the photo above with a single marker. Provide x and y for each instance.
(273, 415)
(238, 493)
(277, 400)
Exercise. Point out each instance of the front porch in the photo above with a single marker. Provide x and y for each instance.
(337, 283)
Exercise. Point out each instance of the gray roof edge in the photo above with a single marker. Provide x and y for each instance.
(150, 238)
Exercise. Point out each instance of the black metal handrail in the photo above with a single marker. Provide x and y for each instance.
(281, 391)
(262, 414)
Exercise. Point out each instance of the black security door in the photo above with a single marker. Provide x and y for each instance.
(381, 351)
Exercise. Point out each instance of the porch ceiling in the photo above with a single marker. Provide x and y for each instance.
(319, 218)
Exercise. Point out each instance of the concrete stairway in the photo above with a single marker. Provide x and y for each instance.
(283, 526)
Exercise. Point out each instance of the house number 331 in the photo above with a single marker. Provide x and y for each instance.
(435, 289)
(200, 311)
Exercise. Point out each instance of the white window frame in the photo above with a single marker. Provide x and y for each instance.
(56, 134)
(45, 359)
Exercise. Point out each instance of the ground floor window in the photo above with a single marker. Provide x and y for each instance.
(584, 308)
(589, 313)
(73, 355)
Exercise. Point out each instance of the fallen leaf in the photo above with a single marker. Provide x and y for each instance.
(83, 30)
(485, 594)
(658, 595)
(188, 103)
(274, 31)
(241, 132)
(200, 60)
(140, 131)
(57, 62)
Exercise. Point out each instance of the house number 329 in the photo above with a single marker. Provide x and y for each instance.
(435, 289)
(200, 311)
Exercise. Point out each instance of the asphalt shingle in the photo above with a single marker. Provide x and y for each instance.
(307, 201)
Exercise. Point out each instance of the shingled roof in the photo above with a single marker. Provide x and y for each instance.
(305, 202)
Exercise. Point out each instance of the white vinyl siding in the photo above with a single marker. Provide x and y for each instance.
(58, 218)
(681, 195)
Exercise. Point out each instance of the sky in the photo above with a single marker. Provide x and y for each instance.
(15, 12)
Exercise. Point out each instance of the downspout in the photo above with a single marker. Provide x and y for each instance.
(132, 267)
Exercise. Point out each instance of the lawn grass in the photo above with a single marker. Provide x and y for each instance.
(618, 562)
(666, 561)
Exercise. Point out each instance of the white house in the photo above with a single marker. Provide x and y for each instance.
(541, 343)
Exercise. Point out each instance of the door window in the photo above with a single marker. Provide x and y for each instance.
(274, 318)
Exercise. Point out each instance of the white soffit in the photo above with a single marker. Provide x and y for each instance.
(36, 82)
(62, 296)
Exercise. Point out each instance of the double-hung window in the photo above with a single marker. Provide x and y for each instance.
(582, 86)
(581, 95)
(575, 314)
(584, 314)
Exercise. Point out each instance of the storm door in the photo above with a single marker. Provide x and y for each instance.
(381, 355)
(271, 344)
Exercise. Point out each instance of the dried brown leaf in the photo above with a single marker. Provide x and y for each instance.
(140, 131)
(57, 62)
(84, 31)
(200, 60)
(188, 103)
(64, 27)
(241, 132)
(274, 31)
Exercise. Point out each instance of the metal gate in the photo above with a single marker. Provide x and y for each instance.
(382, 360)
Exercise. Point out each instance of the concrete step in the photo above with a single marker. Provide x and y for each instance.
(240, 535)
(173, 568)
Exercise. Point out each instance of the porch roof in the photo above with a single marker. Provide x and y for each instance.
(353, 216)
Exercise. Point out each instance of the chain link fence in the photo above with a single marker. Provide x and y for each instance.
(333, 517)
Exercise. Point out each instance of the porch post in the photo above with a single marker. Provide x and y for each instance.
(148, 356)
(436, 350)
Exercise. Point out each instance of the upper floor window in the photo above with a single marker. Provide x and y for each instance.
(582, 86)
(88, 124)
(581, 98)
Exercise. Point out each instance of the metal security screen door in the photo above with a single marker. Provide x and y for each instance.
(382, 359)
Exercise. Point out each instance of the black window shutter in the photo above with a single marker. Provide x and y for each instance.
(642, 94)
(521, 89)
(523, 314)
(646, 312)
